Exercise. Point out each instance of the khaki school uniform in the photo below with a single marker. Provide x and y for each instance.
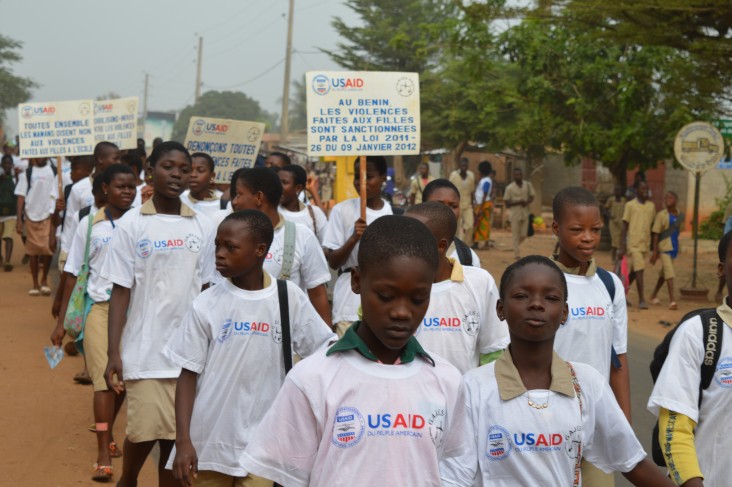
(518, 215)
(616, 209)
(465, 187)
(639, 217)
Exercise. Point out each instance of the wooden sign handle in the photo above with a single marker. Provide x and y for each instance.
(362, 182)
(59, 174)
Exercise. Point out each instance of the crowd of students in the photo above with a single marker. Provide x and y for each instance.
(200, 300)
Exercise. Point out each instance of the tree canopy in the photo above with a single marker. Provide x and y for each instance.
(13, 89)
(223, 104)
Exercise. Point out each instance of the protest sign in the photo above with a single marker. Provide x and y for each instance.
(232, 144)
(116, 121)
(60, 129)
(362, 113)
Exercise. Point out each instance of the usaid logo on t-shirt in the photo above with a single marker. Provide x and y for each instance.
(723, 375)
(348, 427)
(243, 328)
(588, 312)
(469, 323)
(499, 443)
(146, 247)
(97, 243)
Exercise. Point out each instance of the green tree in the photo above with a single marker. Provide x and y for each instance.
(223, 104)
(298, 105)
(13, 89)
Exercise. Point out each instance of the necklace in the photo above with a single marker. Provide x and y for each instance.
(537, 405)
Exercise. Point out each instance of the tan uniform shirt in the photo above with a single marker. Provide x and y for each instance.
(616, 208)
(640, 218)
(515, 193)
(417, 186)
(466, 187)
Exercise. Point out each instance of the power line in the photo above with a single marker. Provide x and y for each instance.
(239, 28)
(250, 79)
(239, 44)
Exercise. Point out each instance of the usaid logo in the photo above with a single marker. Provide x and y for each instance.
(103, 107)
(144, 248)
(193, 243)
(321, 85)
(199, 126)
(28, 111)
(499, 444)
(723, 375)
(348, 427)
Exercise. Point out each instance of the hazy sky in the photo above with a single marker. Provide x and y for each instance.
(78, 49)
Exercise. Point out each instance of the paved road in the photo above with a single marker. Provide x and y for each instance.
(640, 352)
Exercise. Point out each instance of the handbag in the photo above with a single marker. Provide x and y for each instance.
(79, 303)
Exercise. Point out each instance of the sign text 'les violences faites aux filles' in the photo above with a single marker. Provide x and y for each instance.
(362, 113)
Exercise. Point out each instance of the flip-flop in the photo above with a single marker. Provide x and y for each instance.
(673, 306)
(655, 301)
(34, 292)
(45, 290)
(8, 267)
(102, 473)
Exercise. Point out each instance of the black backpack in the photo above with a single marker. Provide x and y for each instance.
(465, 256)
(712, 334)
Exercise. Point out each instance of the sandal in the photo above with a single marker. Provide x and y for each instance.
(34, 292)
(102, 473)
(655, 301)
(93, 428)
(673, 306)
(114, 450)
(82, 378)
(8, 267)
(45, 290)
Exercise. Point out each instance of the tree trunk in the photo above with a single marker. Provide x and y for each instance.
(451, 163)
(619, 170)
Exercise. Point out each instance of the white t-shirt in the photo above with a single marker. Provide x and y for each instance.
(309, 267)
(80, 197)
(19, 163)
(343, 420)
(164, 260)
(138, 195)
(485, 182)
(461, 321)
(454, 255)
(232, 338)
(595, 324)
(677, 389)
(340, 228)
(98, 288)
(510, 443)
(303, 218)
(207, 207)
(40, 201)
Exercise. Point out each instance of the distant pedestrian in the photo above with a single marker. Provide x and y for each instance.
(464, 180)
(636, 237)
(518, 196)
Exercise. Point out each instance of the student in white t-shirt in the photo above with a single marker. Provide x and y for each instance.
(443, 191)
(105, 154)
(201, 195)
(133, 159)
(375, 408)
(159, 260)
(694, 431)
(118, 186)
(293, 179)
(259, 188)
(531, 416)
(232, 330)
(37, 194)
(343, 233)
(461, 322)
(598, 322)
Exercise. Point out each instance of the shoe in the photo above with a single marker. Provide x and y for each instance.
(34, 292)
(655, 301)
(673, 306)
(45, 291)
(8, 267)
(102, 473)
(642, 305)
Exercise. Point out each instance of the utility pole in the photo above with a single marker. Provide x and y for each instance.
(285, 119)
(198, 70)
(144, 103)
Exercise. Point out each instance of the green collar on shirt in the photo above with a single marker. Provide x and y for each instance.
(351, 341)
(591, 270)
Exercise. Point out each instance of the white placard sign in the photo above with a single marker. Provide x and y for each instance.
(233, 144)
(64, 128)
(362, 113)
(116, 121)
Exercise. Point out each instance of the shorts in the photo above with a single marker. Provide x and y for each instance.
(667, 271)
(594, 477)
(342, 326)
(7, 229)
(63, 256)
(39, 234)
(637, 260)
(209, 478)
(150, 409)
(95, 344)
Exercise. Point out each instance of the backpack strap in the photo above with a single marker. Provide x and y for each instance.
(463, 251)
(84, 212)
(28, 173)
(223, 203)
(285, 319)
(312, 217)
(288, 255)
(713, 332)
